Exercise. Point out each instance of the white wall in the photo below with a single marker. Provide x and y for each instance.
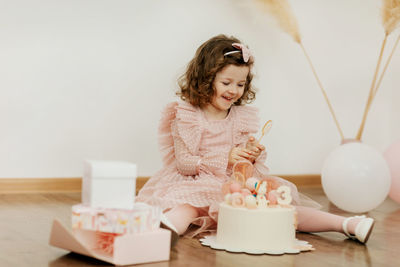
(88, 78)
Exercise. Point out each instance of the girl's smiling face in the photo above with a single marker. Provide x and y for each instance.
(229, 86)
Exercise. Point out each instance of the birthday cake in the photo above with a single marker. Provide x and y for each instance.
(256, 217)
(260, 229)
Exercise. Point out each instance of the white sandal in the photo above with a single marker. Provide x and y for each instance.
(363, 228)
(166, 224)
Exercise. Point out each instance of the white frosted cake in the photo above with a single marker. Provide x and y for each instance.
(257, 217)
(271, 229)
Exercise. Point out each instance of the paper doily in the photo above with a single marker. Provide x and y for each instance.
(299, 246)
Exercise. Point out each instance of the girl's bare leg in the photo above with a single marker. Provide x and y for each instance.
(313, 220)
(181, 216)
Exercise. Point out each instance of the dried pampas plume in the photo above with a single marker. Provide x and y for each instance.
(390, 15)
(390, 20)
(282, 12)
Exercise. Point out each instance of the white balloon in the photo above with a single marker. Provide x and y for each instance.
(355, 177)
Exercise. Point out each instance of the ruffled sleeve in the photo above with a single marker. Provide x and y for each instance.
(189, 126)
(246, 123)
(213, 162)
(179, 136)
(165, 139)
(186, 162)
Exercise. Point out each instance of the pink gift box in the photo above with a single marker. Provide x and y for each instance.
(125, 249)
(141, 218)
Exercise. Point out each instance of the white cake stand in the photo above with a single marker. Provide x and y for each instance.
(299, 246)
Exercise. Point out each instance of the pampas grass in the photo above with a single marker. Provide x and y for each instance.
(386, 66)
(282, 12)
(390, 20)
(390, 15)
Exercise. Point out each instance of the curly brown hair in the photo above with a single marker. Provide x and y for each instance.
(196, 84)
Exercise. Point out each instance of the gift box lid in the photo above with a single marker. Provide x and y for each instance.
(128, 249)
(102, 169)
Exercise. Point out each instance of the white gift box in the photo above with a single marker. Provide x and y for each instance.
(109, 184)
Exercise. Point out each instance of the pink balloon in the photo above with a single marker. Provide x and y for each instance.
(392, 156)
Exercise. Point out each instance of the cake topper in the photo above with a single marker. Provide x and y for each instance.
(265, 129)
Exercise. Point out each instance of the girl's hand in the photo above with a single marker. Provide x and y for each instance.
(237, 154)
(255, 148)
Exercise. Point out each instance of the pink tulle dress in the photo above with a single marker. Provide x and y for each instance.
(195, 156)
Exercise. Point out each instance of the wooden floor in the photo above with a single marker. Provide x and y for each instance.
(25, 221)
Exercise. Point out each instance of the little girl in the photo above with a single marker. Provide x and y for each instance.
(202, 137)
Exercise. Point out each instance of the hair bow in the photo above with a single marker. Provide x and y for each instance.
(246, 54)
